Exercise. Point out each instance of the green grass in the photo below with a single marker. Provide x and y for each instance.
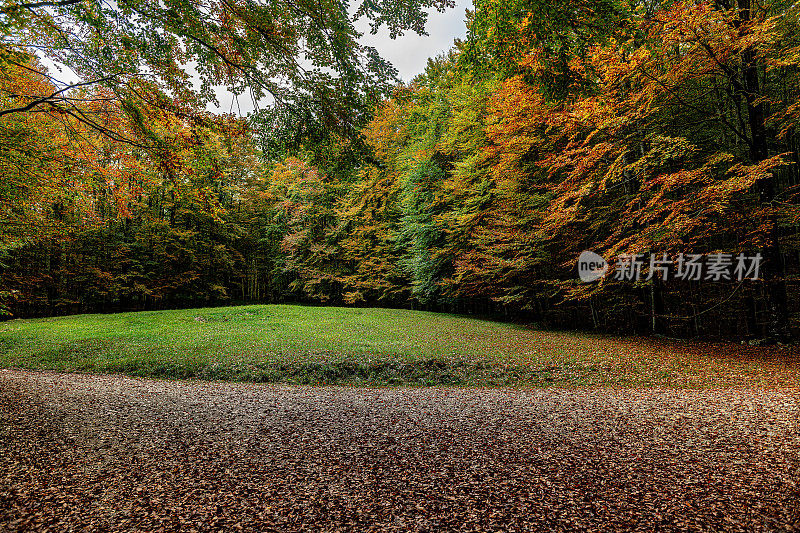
(329, 345)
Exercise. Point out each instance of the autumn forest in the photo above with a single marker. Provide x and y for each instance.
(616, 126)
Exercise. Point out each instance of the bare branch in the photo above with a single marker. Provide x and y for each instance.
(35, 5)
(53, 97)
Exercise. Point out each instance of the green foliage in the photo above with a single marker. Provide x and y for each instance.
(505, 37)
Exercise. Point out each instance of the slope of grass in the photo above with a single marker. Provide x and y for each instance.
(328, 345)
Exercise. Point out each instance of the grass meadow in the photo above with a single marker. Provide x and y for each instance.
(353, 346)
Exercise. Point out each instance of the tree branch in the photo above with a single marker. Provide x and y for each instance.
(49, 99)
(35, 5)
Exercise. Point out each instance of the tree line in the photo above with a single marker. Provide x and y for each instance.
(621, 127)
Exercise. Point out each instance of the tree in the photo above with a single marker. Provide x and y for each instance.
(301, 58)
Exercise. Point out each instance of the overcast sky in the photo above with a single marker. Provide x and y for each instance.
(409, 53)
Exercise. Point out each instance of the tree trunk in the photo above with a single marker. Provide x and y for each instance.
(773, 272)
(656, 306)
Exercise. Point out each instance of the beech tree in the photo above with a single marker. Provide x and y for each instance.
(299, 58)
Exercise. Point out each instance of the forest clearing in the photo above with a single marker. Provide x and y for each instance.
(399, 265)
(367, 346)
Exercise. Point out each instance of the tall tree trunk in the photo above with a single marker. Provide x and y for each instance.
(656, 306)
(595, 320)
(773, 272)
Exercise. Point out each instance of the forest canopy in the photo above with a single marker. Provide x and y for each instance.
(621, 127)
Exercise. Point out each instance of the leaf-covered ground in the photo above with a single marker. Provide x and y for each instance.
(330, 345)
(107, 453)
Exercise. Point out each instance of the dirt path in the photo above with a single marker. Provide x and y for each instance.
(103, 453)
